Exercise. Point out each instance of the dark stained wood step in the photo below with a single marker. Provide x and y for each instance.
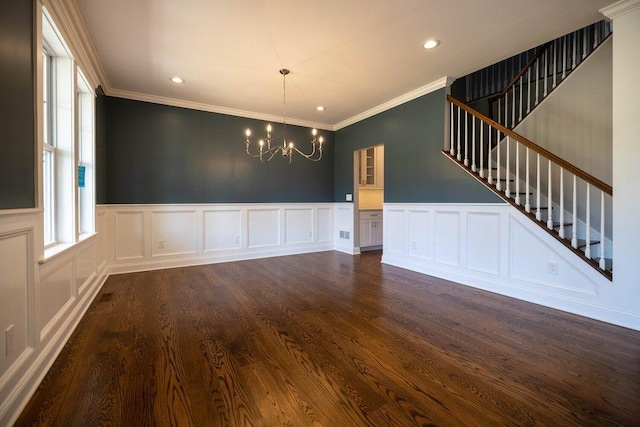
(582, 243)
(566, 224)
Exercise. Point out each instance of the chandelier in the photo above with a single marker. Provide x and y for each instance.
(266, 152)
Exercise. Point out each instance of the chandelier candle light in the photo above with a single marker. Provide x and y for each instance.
(267, 152)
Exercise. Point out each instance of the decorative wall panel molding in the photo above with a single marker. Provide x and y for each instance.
(165, 236)
(447, 237)
(41, 302)
(344, 235)
(16, 293)
(173, 232)
(263, 228)
(496, 248)
(419, 223)
(222, 229)
(483, 245)
(298, 226)
(129, 235)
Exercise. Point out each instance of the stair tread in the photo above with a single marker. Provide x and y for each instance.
(582, 243)
(566, 224)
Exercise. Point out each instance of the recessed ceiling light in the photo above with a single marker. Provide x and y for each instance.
(320, 108)
(431, 43)
(177, 79)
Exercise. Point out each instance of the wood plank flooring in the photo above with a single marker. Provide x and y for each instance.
(329, 339)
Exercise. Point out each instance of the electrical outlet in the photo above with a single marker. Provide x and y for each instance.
(414, 245)
(310, 234)
(237, 239)
(552, 267)
(160, 244)
(8, 339)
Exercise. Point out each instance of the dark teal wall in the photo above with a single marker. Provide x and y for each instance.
(415, 171)
(101, 146)
(17, 120)
(161, 154)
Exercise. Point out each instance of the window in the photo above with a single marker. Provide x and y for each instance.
(86, 181)
(48, 147)
(68, 195)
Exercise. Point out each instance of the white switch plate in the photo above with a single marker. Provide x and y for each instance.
(349, 197)
(552, 267)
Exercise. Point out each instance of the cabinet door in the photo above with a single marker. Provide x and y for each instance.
(368, 167)
(376, 232)
(366, 232)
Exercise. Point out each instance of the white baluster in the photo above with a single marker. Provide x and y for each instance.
(506, 110)
(574, 214)
(507, 180)
(481, 149)
(603, 264)
(490, 177)
(538, 213)
(498, 183)
(561, 230)
(517, 200)
(513, 107)
(587, 249)
(544, 56)
(466, 139)
(550, 200)
(564, 57)
(521, 98)
(555, 63)
(459, 155)
(574, 53)
(537, 79)
(527, 202)
(529, 90)
(452, 149)
(473, 145)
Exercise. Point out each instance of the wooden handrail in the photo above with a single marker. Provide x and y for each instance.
(536, 148)
(520, 74)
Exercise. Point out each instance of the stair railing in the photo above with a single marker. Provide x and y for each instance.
(527, 175)
(550, 65)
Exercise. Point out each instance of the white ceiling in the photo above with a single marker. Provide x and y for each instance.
(348, 55)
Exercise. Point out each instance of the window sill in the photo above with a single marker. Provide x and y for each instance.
(61, 248)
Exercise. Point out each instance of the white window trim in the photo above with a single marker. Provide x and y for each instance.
(65, 135)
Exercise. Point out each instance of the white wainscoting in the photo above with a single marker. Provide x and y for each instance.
(343, 232)
(40, 301)
(147, 237)
(496, 248)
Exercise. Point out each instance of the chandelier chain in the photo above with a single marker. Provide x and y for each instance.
(284, 104)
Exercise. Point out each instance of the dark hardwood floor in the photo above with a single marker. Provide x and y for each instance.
(329, 339)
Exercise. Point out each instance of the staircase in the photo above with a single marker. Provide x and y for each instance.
(564, 200)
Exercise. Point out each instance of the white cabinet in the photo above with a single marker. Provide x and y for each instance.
(372, 167)
(370, 228)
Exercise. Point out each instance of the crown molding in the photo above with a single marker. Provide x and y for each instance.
(620, 8)
(442, 82)
(212, 108)
(69, 21)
